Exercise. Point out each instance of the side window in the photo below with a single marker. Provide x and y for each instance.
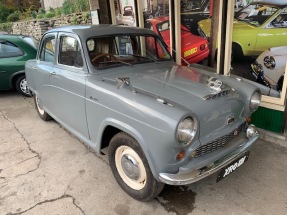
(281, 20)
(8, 49)
(48, 49)
(70, 52)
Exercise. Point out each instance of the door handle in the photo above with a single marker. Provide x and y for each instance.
(52, 73)
(34, 68)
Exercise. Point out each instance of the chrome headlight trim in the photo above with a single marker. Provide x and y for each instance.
(186, 130)
(269, 62)
(255, 101)
(251, 131)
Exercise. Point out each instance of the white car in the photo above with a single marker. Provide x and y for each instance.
(269, 67)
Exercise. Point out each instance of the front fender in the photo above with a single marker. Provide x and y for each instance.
(132, 132)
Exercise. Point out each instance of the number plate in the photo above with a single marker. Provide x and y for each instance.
(232, 167)
(190, 52)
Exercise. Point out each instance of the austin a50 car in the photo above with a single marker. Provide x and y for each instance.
(117, 89)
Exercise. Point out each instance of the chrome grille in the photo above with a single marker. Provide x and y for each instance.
(218, 143)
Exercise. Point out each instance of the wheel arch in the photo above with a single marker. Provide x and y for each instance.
(238, 47)
(111, 127)
(14, 78)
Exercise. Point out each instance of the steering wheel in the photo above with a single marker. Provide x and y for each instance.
(105, 56)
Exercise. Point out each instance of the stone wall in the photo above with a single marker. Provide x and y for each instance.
(37, 28)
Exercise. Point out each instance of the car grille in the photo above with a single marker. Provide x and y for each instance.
(218, 143)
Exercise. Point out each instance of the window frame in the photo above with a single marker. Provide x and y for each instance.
(41, 47)
(60, 36)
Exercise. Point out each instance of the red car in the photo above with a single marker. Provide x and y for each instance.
(194, 49)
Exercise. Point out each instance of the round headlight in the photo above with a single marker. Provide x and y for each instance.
(255, 101)
(186, 131)
(269, 62)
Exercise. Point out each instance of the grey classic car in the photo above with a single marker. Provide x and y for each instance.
(117, 89)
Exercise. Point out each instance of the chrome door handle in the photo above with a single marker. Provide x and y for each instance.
(52, 73)
(34, 68)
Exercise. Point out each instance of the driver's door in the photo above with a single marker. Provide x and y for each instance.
(67, 81)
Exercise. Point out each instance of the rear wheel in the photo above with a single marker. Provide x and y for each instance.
(41, 112)
(130, 168)
(21, 86)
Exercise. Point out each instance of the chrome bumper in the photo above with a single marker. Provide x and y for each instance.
(183, 177)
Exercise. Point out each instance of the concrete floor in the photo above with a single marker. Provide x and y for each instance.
(45, 170)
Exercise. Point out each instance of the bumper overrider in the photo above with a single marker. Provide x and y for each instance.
(187, 175)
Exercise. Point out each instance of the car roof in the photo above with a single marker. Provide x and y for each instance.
(278, 3)
(86, 32)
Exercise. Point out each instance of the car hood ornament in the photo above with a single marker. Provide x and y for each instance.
(216, 86)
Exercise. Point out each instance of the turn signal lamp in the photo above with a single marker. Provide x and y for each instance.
(180, 155)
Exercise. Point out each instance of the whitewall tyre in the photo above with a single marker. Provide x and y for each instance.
(130, 168)
(40, 109)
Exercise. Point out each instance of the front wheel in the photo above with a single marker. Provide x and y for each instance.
(41, 112)
(21, 86)
(130, 168)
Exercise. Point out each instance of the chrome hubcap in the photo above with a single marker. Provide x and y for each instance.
(130, 167)
(23, 86)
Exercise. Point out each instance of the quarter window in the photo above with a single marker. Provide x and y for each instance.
(8, 49)
(70, 52)
(48, 50)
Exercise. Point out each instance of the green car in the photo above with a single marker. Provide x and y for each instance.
(15, 50)
(259, 26)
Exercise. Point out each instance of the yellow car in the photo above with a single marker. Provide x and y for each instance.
(257, 27)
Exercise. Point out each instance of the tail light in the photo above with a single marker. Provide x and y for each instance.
(203, 46)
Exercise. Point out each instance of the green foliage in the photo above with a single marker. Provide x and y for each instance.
(6, 27)
(58, 12)
(13, 17)
(87, 15)
(74, 6)
(34, 14)
(51, 10)
(50, 15)
(41, 11)
(4, 12)
(74, 20)
(41, 16)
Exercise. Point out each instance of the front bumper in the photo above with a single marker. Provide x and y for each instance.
(184, 176)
